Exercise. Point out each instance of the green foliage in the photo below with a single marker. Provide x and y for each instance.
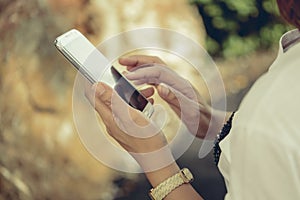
(238, 27)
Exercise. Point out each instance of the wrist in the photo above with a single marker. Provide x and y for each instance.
(158, 176)
(172, 186)
(212, 122)
(154, 161)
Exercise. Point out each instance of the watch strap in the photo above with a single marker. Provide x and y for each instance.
(167, 186)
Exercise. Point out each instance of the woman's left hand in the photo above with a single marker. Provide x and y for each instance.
(128, 126)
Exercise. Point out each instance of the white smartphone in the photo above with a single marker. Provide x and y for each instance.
(91, 63)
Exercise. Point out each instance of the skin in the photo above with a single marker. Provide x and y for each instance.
(207, 114)
(102, 97)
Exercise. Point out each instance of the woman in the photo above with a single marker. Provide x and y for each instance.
(260, 157)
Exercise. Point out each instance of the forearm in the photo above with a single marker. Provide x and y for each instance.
(185, 191)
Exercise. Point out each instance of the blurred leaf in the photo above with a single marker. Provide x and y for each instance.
(238, 46)
(213, 10)
(270, 7)
(236, 27)
(243, 8)
(213, 45)
(271, 33)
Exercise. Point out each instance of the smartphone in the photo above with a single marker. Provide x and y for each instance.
(92, 64)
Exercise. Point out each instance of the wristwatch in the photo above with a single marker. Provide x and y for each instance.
(184, 176)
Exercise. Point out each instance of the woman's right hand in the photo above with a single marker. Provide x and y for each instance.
(183, 98)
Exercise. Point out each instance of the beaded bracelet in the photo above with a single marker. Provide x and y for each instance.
(224, 132)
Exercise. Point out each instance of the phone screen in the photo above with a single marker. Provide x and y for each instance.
(127, 92)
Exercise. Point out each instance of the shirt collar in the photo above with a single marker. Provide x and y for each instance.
(289, 39)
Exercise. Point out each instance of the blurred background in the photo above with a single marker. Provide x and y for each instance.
(41, 156)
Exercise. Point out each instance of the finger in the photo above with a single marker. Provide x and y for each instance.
(111, 108)
(185, 108)
(128, 61)
(165, 93)
(156, 74)
(149, 75)
(136, 60)
(151, 100)
(100, 97)
(126, 115)
(148, 92)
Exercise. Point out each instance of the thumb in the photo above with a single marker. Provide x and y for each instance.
(165, 92)
(169, 96)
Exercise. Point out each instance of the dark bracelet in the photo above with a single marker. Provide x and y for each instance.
(224, 132)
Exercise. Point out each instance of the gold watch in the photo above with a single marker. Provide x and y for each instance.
(163, 189)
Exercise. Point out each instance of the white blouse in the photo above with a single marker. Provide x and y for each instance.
(260, 157)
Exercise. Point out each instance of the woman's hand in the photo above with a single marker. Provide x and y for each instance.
(187, 103)
(127, 125)
(130, 128)
(136, 134)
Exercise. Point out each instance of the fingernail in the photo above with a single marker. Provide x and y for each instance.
(125, 59)
(122, 58)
